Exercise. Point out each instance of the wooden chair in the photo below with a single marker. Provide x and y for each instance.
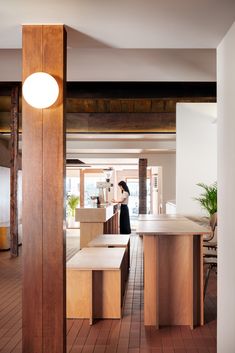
(210, 251)
(211, 262)
(210, 243)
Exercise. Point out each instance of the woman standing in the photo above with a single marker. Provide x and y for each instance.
(125, 227)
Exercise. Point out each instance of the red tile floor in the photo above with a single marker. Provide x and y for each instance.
(109, 336)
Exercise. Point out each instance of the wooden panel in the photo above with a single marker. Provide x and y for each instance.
(54, 44)
(89, 231)
(151, 275)
(175, 280)
(107, 294)
(32, 200)
(78, 296)
(95, 214)
(105, 299)
(198, 298)
(43, 203)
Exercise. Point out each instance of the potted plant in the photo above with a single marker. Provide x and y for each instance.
(72, 203)
(208, 198)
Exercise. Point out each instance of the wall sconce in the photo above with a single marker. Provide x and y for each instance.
(40, 90)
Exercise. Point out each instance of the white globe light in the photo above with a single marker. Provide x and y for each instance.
(40, 90)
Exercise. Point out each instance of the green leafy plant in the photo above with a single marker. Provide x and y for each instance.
(72, 203)
(208, 198)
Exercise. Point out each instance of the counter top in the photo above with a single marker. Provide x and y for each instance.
(184, 227)
(161, 217)
(95, 214)
(102, 206)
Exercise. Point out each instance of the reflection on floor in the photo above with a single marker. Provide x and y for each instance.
(72, 242)
(109, 336)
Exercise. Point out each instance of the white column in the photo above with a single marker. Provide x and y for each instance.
(226, 192)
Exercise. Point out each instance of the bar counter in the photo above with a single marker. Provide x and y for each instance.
(96, 220)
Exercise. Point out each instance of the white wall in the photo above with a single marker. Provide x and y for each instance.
(5, 194)
(196, 153)
(226, 192)
(168, 163)
(109, 64)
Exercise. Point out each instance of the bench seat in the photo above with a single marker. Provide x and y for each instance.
(114, 241)
(96, 283)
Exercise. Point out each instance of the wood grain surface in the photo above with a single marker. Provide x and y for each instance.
(44, 49)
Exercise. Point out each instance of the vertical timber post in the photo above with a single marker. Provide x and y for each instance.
(43, 214)
(143, 186)
(14, 170)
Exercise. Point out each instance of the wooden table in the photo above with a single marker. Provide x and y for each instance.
(161, 217)
(173, 272)
(96, 283)
(114, 241)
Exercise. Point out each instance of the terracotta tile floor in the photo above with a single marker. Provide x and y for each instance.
(109, 336)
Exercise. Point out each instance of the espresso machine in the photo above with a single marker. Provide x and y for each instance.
(104, 186)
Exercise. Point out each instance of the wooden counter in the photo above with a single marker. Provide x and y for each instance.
(173, 272)
(95, 221)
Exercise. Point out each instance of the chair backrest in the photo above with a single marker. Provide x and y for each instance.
(213, 225)
(213, 221)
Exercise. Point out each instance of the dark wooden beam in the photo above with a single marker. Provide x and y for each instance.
(43, 165)
(104, 106)
(14, 170)
(122, 123)
(143, 163)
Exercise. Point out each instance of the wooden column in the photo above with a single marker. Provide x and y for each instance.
(82, 181)
(14, 170)
(143, 186)
(43, 166)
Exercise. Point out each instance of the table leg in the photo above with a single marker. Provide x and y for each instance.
(198, 299)
(151, 312)
(91, 297)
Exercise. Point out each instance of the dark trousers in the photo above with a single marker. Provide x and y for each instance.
(125, 227)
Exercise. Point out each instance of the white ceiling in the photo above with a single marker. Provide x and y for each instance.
(123, 24)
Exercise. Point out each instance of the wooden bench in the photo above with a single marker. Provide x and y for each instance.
(96, 284)
(114, 241)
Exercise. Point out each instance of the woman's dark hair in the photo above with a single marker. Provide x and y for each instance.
(124, 186)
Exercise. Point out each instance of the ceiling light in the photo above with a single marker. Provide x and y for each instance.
(40, 90)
